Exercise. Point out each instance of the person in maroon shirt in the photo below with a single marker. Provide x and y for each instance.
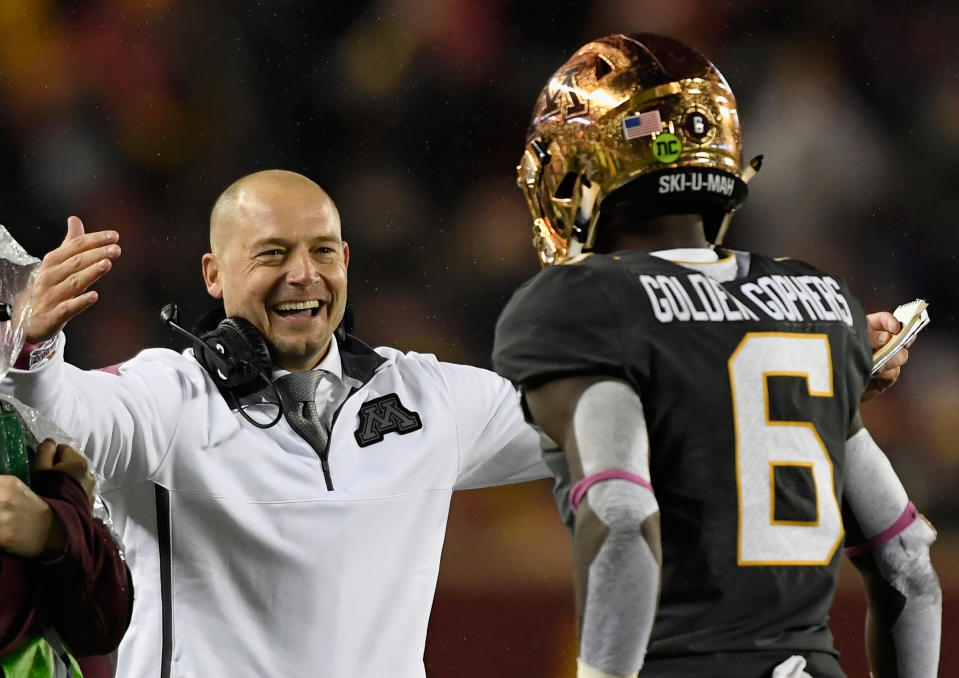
(59, 566)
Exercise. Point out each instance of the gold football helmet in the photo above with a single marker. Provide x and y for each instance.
(642, 115)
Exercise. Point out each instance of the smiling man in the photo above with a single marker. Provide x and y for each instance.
(309, 547)
(279, 261)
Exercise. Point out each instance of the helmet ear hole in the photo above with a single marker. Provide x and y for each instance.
(565, 189)
(603, 67)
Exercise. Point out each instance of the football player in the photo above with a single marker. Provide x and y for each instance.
(707, 399)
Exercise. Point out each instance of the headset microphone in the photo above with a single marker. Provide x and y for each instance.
(235, 356)
(170, 313)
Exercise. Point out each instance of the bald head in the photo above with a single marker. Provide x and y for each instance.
(278, 260)
(257, 192)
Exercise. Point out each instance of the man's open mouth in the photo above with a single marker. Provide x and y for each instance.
(293, 308)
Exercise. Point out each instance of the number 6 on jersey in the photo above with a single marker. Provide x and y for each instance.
(765, 447)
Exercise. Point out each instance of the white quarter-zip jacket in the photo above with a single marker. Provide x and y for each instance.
(244, 562)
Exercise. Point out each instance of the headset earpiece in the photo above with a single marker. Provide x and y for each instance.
(236, 357)
(234, 353)
(245, 349)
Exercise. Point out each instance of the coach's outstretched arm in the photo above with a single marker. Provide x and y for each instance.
(123, 424)
(617, 554)
(888, 541)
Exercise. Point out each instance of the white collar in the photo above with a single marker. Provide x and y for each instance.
(702, 259)
(330, 363)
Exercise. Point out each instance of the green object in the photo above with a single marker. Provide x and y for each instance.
(667, 147)
(14, 454)
(38, 660)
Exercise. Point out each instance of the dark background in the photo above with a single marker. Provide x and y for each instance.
(135, 114)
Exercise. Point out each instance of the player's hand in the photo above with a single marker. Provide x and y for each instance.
(65, 459)
(65, 274)
(881, 327)
(28, 526)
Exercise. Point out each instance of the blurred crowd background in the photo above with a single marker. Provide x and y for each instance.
(135, 114)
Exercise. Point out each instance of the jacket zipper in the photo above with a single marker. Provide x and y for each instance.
(325, 456)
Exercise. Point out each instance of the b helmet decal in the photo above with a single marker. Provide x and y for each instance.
(640, 115)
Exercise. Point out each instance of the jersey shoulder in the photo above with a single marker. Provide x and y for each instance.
(764, 266)
(761, 264)
(809, 286)
(587, 278)
(563, 321)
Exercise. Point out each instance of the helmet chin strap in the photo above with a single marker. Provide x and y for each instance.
(721, 231)
(751, 171)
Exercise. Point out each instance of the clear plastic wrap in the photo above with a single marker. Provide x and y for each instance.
(18, 273)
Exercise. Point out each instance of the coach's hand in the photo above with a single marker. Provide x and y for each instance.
(882, 326)
(64, 276)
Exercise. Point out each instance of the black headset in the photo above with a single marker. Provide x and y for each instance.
(236, 357)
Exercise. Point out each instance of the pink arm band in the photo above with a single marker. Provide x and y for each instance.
(907, 518)
(579, 489)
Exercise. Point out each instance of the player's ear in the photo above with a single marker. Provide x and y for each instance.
(346, 255)
(211, 275)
